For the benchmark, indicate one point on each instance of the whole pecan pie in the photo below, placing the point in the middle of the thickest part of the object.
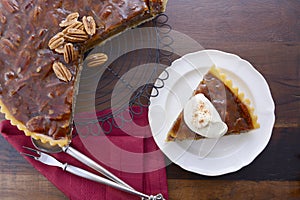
(42, 44)
(233, 108)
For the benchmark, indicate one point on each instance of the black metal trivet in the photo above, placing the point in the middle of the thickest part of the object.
(136, 52)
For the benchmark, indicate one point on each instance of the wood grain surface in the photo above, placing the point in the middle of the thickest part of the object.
(266, 33)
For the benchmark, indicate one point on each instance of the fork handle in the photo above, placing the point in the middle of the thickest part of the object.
(88, 175)
(89, 162)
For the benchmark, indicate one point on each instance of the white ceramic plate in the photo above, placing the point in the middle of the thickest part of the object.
(229, 153)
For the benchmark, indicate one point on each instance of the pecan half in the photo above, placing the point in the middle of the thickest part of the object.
(11, 5)
(56, 41)
(76, 25)
(69, 53)
(61, 71)
(76, 35)
(96, 59)
(7, 46)
(36, 12)
(8, 43)
(37, 124)
(107, 11)
(71, 18)
(89, 25)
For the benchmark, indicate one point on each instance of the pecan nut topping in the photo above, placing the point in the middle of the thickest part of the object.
(69, 53)
(76, 35)
(61, 71)
(89, 25)
(71, 18)
(76, 25)
(56, 41)
(36, 124)
(11, 5)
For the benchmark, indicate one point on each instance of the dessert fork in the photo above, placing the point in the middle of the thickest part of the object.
(51, 161)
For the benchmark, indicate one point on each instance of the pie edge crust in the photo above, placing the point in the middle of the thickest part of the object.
(44, 138)
(241, 96)
(171, 136)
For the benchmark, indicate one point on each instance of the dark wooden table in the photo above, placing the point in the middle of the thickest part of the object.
(267, 33)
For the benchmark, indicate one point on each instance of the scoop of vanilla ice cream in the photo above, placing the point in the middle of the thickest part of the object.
(202, 118)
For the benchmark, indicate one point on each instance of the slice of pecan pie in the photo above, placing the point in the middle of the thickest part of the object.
(231, 105)
(42, 45)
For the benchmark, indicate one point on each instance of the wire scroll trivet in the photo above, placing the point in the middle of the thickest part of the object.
(126, 81)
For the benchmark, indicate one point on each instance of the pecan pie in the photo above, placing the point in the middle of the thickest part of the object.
(42, 44)
(231, 105)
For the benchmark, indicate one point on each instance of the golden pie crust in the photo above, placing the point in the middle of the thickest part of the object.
(44, 138)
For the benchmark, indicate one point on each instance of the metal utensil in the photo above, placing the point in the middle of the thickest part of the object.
(46, 147)
(51, 161)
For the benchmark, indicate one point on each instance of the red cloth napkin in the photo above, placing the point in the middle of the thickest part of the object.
(77, 188)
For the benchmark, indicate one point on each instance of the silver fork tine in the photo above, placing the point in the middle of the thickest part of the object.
(31, 156)
(33, 150)
(43, 157)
